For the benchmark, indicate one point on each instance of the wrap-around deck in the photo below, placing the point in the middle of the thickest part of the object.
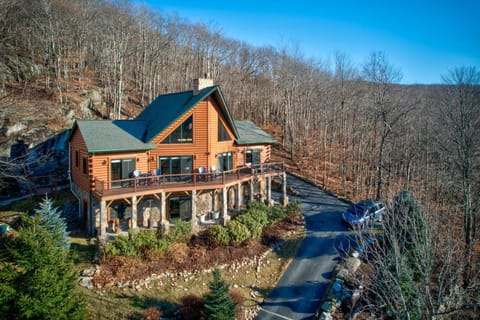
(152, 184)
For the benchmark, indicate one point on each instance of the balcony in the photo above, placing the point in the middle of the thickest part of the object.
(150, 184)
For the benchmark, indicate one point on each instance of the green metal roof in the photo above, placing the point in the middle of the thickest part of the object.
(103, 136)
(167, 108)
(249, 133)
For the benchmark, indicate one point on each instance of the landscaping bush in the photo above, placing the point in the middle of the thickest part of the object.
(152, 313)
(218, 235)
(137, 244)
(238, 232)
(255, 205)
(181, 231)
(293, 206)
(253, 225)
(125, 246)
(277, 213)
(192, 308)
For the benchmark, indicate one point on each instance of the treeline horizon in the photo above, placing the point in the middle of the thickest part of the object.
(365, 131)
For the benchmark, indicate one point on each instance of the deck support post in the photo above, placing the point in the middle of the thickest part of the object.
(284, 190)
(269, 190)
(164, 223)
(238, 197)
(163, 207)
(194, 209)
(134, 214)
(225, 217)
(261, 190)
(103, 219)
(252, 190)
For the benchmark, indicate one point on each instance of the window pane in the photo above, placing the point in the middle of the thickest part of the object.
(128, 166)
(182, 134)
(253, 156)
(222, 132)
(116, 170)
(248, 157)
(186, 164)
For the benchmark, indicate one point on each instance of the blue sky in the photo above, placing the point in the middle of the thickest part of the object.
(424, 39)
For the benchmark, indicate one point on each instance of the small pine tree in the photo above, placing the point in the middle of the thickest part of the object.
(219, 305)
(37, 280)
(52, 221)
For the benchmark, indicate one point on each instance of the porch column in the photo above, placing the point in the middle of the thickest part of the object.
(251, 190)
(262, 190)
(194, 209)
(163, 207)
(103, 219)
(238, 197)
(284, 190)
(164, 223)
(134, 213)
(225, 217)
(269, 190)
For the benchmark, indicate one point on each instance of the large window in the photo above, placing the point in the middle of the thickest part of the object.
(121, 169)
(225, 161)
(176, 165)
(253, 156)
(222, 132)
(182, 134)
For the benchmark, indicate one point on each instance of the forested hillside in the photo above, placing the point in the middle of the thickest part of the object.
(351, 128)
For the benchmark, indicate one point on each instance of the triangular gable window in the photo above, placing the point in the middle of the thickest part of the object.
(222, 132)
(182, 134)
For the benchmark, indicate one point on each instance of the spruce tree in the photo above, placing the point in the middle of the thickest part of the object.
(219, 305)
(51, 219)
(37, 279)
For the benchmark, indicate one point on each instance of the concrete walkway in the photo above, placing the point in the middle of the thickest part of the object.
(298, 292)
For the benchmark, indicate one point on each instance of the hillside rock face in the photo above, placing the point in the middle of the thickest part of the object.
(14, 67)
(35, 119)
(33, 108)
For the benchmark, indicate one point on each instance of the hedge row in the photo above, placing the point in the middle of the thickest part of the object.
(137, 244)
(250, 224)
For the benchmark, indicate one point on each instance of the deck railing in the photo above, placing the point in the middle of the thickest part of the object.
(192, 180)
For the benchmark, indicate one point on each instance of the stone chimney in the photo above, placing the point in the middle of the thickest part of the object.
(201, 83)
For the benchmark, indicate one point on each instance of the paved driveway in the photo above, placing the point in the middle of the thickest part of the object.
(298, 292)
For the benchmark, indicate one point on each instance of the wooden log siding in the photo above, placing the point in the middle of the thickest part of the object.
(205, 146)
(216, 146)
(77, 144)
(101, 164)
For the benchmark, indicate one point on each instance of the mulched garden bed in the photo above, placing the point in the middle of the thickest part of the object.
(193, 256)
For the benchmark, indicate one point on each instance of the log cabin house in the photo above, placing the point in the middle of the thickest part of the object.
(183, 157)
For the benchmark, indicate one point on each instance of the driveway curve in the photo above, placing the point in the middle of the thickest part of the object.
(299, 290)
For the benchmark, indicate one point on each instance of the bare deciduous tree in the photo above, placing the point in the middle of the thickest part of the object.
(460, 119)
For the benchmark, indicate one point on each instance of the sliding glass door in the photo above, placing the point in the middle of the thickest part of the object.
(120, 169)
(176, 165)
(225, 161)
